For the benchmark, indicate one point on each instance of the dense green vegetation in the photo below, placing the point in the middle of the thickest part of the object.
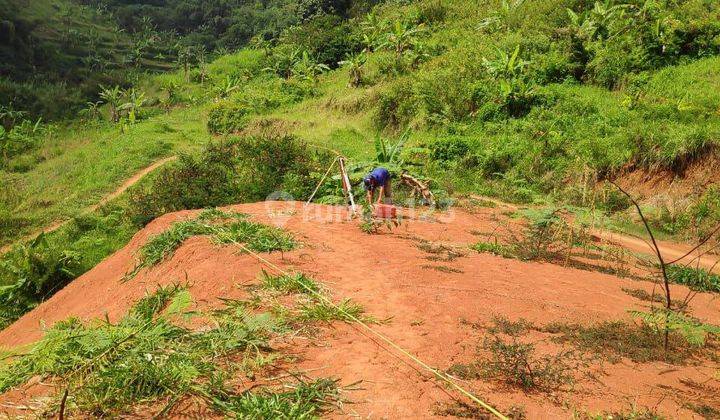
(529, 101)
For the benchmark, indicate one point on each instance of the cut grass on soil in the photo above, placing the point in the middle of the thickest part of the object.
(314, 304)
(346, 310)
(223, 228)
(634, 414)
(464, 410)
(150, 358)
(442, 268)
(291, 283)
(643, 295)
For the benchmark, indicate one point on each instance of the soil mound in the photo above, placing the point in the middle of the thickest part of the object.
(436, 304)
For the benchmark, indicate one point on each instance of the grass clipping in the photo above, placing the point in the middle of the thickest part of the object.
(150, 359)
(222, 228)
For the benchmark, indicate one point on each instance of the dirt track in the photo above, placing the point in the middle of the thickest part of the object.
(669, 251)
(430, 309)
(119, 190)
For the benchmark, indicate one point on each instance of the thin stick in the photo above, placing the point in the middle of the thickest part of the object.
(668, 301)
(61, 415)
(321, 181)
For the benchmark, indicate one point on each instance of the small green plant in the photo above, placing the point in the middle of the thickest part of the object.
(493, 248)
(371, 225)
(516, 364)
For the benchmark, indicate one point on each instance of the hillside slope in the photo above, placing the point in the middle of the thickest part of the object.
(54, 54)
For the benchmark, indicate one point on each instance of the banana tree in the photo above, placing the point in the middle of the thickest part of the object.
(355, 68)
(401, 37)
(112, 97)
(307, 69)
(131, 108)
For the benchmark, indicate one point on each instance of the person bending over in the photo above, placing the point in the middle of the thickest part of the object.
(378, 179)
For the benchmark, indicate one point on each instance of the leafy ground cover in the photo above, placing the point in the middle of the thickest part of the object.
(150, 358)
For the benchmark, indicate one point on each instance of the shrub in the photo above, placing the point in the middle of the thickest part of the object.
(31, 273)
(241, 169)
(227, 116)
(327, 38)
(516, 364)
(695, 278)
(396, 106)
(447, 149)
(430, 12)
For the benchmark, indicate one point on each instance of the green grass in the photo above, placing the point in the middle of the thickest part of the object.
(150, 357)
(82, 165)
(695, 278)
(231, 229)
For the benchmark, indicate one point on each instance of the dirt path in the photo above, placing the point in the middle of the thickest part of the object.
(438, 309)
(670, 251)
(121, 189)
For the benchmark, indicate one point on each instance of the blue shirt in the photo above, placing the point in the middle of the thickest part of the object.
(380, 176)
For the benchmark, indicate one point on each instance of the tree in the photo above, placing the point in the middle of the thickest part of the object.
(355, 68)
(131, 108)
(112, 97)
(401, 37)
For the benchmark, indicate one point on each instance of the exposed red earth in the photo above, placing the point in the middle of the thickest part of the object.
(432, 307)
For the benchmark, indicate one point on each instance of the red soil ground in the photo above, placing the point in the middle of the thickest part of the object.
(431, 310)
